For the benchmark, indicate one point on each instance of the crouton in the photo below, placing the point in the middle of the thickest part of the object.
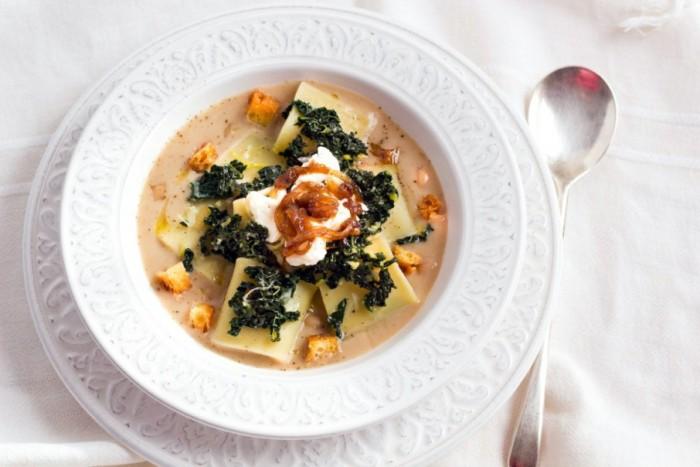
(408, 260)
(203, 158)
(200, 316)
(321, 347)
(387, 155)
(262, 108)
(175, 278)
(429, 205)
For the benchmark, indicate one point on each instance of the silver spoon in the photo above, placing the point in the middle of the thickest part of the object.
(572, 116)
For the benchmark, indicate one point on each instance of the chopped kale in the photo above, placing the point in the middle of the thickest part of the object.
(378, 193)
(265, 178)
(216, 217)
(187, 258)
(420, 237)
(322, 125)
(379, 292)
(335, 319)
(227, 237)
(220, 181)
(184, 224)
(261, 303)
(224, 181)
(301, 106)
(294, 151)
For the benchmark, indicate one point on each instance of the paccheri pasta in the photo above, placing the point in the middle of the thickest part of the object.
(291, 226)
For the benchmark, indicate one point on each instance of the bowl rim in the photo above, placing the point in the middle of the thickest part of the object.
(73, 277)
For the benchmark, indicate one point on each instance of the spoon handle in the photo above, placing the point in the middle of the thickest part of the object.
(524, 451)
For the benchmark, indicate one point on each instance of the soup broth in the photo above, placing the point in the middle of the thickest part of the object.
(165, 199)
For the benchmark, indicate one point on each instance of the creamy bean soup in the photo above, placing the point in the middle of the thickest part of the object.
(292, 226)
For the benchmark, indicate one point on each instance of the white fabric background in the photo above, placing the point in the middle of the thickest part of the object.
(624, 380)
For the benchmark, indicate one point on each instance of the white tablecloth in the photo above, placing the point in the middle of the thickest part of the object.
(624, 379)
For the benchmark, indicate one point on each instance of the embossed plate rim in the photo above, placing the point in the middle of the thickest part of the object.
(382, 405)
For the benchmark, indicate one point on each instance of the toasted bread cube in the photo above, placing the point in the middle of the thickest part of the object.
(321, 347)
(262, 109)
(429, 205)
(175, 278)
(203, 158)
(201, 315)
(408, 260)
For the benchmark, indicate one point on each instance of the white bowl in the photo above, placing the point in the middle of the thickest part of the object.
(198, 66)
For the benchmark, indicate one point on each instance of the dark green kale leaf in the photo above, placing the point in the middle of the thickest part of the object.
(335, 319)
(260, 304)
(227, 237)
(362, 271)
(265, 178)
(294, 151)
(220, 181)
(187, 258)
(301, 106)
(378, 294)
(378, 194)
(322, 125)
(420, 237)
(224, 181)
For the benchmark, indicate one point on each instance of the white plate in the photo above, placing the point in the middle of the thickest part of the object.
(183, 73)
(165, 437)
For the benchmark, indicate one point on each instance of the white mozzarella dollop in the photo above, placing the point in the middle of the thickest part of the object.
(262, 208)
(324, 157)
(312, 256)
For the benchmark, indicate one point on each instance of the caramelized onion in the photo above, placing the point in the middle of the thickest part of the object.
(302, 210)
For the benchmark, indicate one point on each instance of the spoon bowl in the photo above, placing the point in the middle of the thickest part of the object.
(572, 116)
